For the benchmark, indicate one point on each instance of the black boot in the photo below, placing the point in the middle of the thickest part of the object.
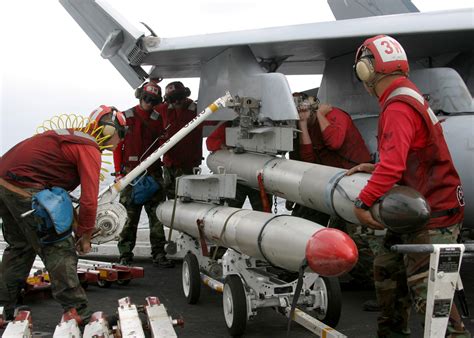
(163, 262)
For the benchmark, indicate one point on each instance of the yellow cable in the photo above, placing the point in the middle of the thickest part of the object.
(82, 124)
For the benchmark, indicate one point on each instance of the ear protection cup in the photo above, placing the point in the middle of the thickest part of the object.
(365, 70)
(108, 130)
(187, 91)
(138, 92)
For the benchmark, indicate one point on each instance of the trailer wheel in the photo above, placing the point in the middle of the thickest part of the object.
(123, 282)
(191, 278)
(104, 283)
(235, 305)
(331, 296)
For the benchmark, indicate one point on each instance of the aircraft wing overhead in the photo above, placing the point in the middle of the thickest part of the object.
(111, 33)
(303, 49)
(298, 49)
(343, 9)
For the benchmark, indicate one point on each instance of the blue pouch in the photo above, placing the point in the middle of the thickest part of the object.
(143, 189)
(55, 208)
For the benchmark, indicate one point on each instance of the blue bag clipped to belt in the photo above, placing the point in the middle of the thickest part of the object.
(144, 188)
(55, 208)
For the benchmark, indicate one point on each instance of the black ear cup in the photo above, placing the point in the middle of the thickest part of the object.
(138, 92)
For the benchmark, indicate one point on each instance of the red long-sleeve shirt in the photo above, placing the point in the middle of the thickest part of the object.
(216, 139)
(88, 161)
(339, 145)
(403, 130)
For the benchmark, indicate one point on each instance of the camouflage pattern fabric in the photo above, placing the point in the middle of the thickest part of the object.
(364, 238)
(169, 175)
(242, 192)
(60, 258)
(402, 280)
(128, 236)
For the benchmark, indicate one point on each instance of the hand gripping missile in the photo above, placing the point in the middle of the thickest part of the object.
(111, 217)
(282, 240)
(322, 188)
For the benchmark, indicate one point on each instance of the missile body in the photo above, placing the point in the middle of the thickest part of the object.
(320, 187)
(283, 240)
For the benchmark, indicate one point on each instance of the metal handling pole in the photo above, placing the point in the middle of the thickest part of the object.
(110, 193)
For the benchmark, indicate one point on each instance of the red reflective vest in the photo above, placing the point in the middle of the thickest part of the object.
(143, 129)
(426, 166)
(340, 145)
(39, 162)
(188, 152)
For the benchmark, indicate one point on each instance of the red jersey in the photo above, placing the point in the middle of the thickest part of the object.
(63, 158)
(216, 139)
(413, 152)
(144, 128)
(187, 153)
(340, 145)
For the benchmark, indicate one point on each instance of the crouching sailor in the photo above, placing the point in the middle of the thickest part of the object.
(38, 173)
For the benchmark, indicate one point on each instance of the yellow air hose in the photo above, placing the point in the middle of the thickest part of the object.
(82, 124)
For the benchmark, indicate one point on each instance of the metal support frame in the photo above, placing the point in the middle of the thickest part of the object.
(445, 263)
(262, 289)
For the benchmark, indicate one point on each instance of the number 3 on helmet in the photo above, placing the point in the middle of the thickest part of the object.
(381, 54)
(116, 123)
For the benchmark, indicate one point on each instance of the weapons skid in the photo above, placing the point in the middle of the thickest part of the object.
(158, 322)
(111, 217)
(261, 248)
(20, 327)
(109, 272)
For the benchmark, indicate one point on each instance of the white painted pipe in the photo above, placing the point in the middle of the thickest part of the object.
(111, 192)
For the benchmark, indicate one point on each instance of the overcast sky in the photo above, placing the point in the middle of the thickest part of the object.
(49, 66)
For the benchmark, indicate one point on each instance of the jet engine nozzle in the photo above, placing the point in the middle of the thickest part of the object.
(331, 252)
(402, 210)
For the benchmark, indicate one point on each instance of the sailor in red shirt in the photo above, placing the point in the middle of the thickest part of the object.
(217, 141)
(412, 152)
(62, 158)
(145, 135)
(177, 111)
(329, 137)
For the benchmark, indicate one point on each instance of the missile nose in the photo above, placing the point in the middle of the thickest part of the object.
(331, 252)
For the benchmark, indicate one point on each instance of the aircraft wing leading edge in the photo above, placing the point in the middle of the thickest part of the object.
(293, 50)
(111, 33)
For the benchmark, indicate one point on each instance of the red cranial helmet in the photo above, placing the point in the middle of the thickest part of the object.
(381, 54)
(116, 123)
(176, 91)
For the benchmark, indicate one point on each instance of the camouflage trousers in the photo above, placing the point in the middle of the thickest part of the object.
(60, 258)
(402, 280)
(241, 194)
(128, 236)
(364, 238)
(169, 176)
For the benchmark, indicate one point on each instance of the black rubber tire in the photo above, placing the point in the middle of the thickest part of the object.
(193, 293)
(123, 281)
(85, 285)
(239, 305)
(334, 300)
(104, 283)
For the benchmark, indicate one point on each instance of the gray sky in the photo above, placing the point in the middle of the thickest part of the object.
(49, 66)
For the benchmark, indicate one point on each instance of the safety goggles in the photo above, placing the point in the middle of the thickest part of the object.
(151, 99)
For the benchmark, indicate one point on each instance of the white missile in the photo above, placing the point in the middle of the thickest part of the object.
(323, 188)
(282, 240)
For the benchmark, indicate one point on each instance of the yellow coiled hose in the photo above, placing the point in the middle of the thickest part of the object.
(82, 124)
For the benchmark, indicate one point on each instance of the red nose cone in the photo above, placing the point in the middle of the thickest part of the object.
(331, 252)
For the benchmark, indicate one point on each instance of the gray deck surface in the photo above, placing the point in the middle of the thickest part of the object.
(206, 318)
